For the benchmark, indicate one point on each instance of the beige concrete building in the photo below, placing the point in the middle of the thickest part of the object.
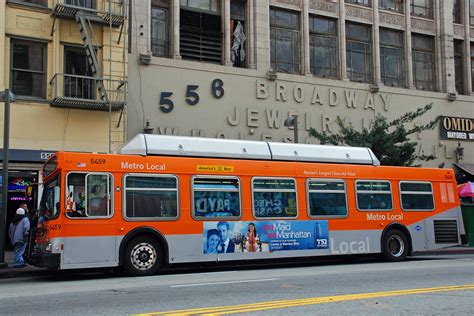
(65, 62)
(240, 68)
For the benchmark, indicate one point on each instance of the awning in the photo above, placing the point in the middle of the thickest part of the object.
(466, 167)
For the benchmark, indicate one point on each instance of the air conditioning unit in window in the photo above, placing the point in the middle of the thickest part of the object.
(144, 59)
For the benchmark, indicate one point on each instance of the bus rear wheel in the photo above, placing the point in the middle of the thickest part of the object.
(143, 256)
(395, 246)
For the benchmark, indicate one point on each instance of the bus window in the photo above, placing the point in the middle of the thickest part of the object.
(416, 196)
(151, 197)
(216, 197)
(374, 195)
(327, 197)
(88, 195)
(274, 198)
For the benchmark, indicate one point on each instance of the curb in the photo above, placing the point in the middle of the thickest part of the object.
(446, 251)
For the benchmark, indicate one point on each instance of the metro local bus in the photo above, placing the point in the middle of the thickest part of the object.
(168, 199)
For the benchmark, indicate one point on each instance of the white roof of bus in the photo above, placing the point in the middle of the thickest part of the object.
(151, 144)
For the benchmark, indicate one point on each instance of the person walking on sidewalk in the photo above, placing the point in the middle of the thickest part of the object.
(18, 232)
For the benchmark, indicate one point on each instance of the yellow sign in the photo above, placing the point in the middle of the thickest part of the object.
(215, 168)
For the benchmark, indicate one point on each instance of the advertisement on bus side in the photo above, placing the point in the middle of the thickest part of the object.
(265, 236)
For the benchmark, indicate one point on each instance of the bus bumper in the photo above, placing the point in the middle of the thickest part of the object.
(45, 260)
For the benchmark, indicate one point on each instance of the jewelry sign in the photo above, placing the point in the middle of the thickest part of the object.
(456, 128)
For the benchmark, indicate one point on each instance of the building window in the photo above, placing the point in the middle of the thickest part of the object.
(471, 12)
(374, 195)
(159, 32)
(359, 2)
(323, 47)
(274, 198)
(205, 5)
(391, 5)
(459, 66)
(327, 197)
(359, 52)
(238, 26)
(151, 196)
(391, 58)
(89, 4)
(285, 41)
(216, 197)
(200, 31)
(457, 11)
(472, 66)
(423, 62)
(28, 71)
(43, 3)
(423, 8)
(78, 78)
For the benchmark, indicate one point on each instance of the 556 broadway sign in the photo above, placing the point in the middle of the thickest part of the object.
(456, 128)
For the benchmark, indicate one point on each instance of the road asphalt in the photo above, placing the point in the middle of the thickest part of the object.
(11, 272)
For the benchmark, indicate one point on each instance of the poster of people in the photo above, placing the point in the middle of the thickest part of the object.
(264, 236)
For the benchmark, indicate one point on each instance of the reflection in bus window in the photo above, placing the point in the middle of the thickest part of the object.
(151, 197)
(327, 198)
(416, 196)
(274, 197)
(374, 195)
(216, 197)
(88, 195)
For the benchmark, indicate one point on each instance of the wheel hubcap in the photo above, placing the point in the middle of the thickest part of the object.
(396, 246)
(143, 256)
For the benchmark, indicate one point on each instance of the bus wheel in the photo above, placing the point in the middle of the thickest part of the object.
(143, 256)
(395, 246)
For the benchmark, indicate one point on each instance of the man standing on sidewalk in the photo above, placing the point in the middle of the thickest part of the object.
(18, 232)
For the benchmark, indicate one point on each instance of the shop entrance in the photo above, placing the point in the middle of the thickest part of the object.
(21, 189)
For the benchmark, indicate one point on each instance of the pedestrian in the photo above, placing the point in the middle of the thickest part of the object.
(34, 219)
(18, 233)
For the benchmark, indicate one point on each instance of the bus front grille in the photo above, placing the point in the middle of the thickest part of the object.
(446, 231)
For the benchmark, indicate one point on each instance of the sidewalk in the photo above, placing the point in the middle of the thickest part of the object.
(12, 272)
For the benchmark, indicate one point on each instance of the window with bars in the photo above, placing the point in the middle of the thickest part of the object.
(285, 41)
(391, 5)
(423, 62)
(459, 66)
(28, 68)
(200, 33)
(323, 47)
(423, 8)
(392, 58)
(359, 52)
(159, 32)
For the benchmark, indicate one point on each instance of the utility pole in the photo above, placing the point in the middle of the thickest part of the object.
(6, 149)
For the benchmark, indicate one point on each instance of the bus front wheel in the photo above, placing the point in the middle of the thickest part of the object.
(395, 246)
(143, 256)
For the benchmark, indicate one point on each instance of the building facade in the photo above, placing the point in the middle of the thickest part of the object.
(65, 63)
(239, 68)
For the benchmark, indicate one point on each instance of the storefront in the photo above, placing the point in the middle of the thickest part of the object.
(23, 177)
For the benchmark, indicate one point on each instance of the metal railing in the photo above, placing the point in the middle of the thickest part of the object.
(86, 88)
(116, 7)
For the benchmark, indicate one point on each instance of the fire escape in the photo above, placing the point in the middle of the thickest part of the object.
(91, 90)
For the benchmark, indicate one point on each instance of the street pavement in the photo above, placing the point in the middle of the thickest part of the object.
(29, 270)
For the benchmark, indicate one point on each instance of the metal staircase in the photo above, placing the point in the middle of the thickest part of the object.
(87, 35)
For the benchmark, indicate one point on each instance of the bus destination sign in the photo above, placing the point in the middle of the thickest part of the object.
(456, 128)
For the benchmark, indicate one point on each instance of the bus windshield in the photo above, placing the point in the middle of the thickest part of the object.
(50, 200)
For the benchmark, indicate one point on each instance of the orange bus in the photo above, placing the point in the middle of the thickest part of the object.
(170, 199)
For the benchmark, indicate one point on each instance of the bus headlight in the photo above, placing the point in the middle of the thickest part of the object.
(49, 247)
